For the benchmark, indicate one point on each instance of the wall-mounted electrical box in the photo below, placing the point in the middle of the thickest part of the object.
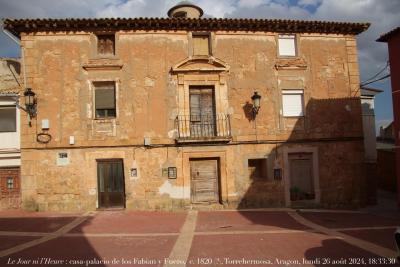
(45, 124)
(147, 141)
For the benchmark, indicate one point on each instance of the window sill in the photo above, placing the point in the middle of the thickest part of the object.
(99, 120)
(105, 56)
(268, 181)
(111, 63)
(297, 63)
(293, 117)
(201, 56)
(288, 57)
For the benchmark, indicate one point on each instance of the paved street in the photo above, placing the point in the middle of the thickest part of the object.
(197, 238)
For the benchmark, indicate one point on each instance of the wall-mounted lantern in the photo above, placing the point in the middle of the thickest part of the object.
(256, 98)
(30, 102)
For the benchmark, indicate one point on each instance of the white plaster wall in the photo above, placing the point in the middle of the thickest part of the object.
(10, 141)
(368, 118)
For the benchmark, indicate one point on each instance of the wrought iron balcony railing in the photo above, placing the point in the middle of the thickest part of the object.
(203, 127)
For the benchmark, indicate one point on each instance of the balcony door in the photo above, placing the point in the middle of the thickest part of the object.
(202, 112)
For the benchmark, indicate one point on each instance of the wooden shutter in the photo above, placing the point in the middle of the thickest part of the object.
(201, 102)
(105, 44)
(201, 45)
(292, 102)
(195, 110)
(206, 102)
(202, 116)
(105, 95)
(287, 45)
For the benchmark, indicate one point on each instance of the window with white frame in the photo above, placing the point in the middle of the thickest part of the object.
(287, 45)
(292, 103)
(8, 118)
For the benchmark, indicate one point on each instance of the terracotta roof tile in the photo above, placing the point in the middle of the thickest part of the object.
(386, 36)
(17, 26)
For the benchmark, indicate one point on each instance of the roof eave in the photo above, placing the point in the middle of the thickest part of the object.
(384, 38)
(17, 26)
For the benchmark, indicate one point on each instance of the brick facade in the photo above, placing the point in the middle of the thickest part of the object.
(10, 198)
(393, 40)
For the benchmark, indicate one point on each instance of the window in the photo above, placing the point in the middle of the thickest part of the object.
(287, 45)
(105, 99)
(201, 44)
(180, 14)
(172, 172)
(106, 44)
(258, 169)
(8, 119)
(10, 183)
(292, 102)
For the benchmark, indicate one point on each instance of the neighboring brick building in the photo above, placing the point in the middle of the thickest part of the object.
(387, 133)
(10, 158)
(392, 38)
(157, 113)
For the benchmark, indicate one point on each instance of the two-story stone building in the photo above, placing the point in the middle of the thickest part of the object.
(161, 113)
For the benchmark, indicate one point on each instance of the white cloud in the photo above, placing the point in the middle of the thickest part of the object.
(218, 9)
(271, 10)
(309, 2)
(250, 3)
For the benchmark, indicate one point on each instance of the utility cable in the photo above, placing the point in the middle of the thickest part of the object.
(377, 74)
(376, 80)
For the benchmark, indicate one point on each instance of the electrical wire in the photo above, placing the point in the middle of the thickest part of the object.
(376, 80)
(377, 74)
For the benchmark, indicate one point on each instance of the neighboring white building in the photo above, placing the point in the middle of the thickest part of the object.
(368, 113)
(10, 156)
(370, 155)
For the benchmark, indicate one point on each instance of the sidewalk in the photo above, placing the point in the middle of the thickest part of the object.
(386, 206)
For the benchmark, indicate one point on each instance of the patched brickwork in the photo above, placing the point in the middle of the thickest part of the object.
(10, 188)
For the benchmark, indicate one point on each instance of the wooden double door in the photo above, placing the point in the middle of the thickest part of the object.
(204, 180)
(111, 184)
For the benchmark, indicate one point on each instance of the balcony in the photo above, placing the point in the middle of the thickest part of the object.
(203, 128)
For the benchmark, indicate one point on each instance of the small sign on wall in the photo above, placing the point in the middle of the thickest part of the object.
(62, 158)
(133, 172)
(278, 174)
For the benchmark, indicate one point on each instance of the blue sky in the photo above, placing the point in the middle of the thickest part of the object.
(382, 14)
